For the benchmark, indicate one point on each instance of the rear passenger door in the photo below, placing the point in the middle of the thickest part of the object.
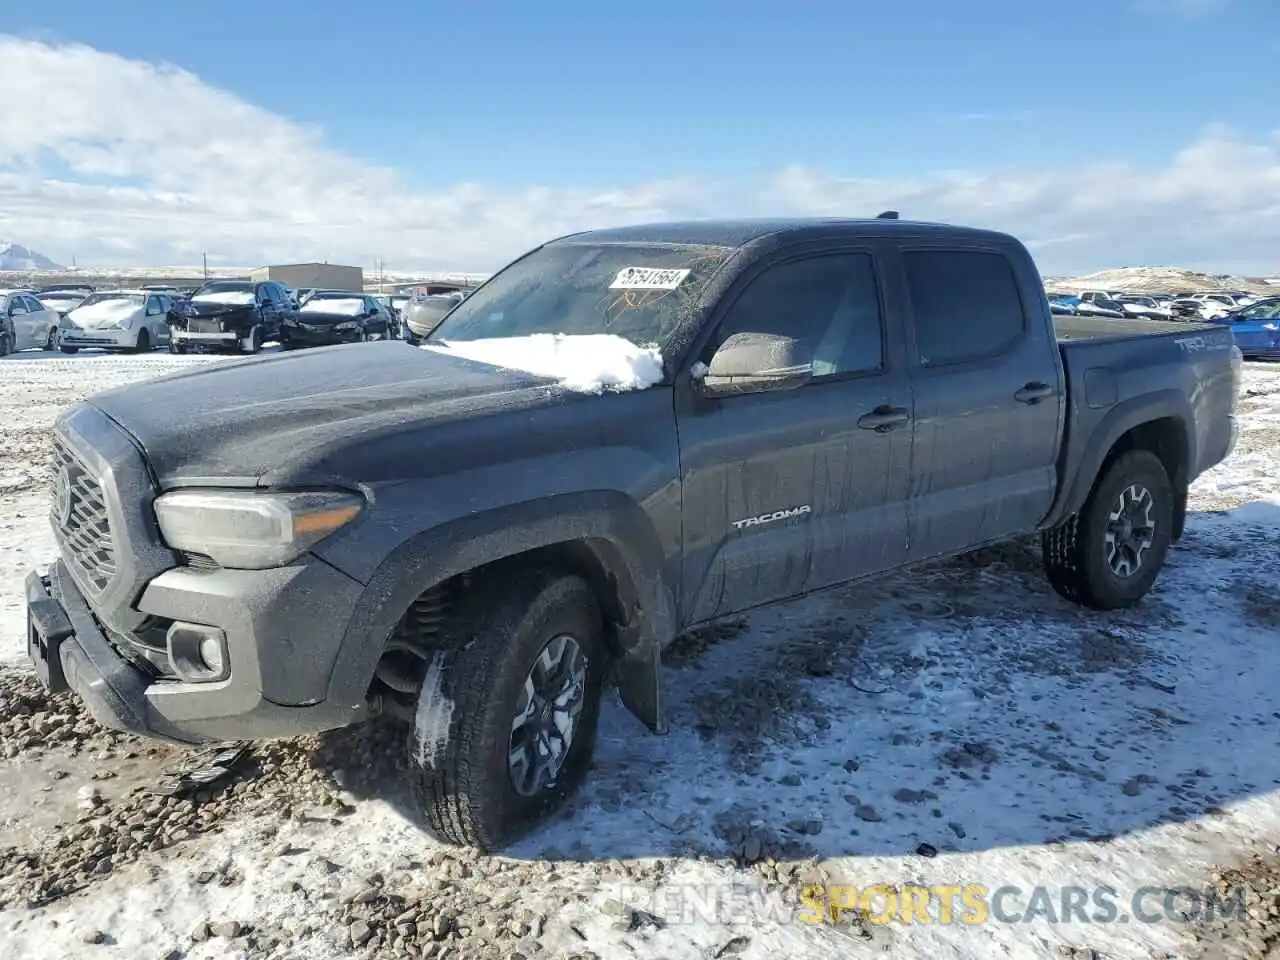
(790, 491)
(989, 399)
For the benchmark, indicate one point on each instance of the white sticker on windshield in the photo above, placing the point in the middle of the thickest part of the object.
(648, 278)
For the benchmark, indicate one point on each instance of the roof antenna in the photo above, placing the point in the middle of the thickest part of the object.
(888, 215)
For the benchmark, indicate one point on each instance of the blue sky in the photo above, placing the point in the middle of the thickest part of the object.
(576, 95)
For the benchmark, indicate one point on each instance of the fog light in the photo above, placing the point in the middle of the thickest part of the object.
(197, 652)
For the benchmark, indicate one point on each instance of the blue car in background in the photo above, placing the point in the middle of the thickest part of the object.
(1064, 303)
(1256, 328)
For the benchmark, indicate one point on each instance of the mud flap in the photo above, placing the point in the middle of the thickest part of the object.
(640, 685)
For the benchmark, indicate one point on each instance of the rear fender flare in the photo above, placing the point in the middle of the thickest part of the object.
(1164, 404)
(616, 530)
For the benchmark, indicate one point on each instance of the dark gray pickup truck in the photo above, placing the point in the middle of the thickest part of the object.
(281, 545)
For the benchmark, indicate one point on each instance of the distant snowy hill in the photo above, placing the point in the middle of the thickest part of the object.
(13, 256)
(1156, 280)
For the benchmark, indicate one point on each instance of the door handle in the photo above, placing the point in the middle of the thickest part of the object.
(1033, 393)
(884, 418)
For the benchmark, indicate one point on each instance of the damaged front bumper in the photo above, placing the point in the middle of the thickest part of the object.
(71, 650)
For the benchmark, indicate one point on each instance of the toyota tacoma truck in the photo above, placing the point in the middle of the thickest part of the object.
(478, 547)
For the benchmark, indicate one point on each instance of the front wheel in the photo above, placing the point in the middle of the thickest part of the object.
(253, 342)
(175, 347)
(506, 716)
(6, 343)
(143, 344)
(51, 342)
(1109, 554)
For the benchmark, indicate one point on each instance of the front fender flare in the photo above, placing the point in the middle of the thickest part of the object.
(615, 528)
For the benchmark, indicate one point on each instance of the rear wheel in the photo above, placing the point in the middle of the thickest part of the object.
(66, 349)
(506, 716)
(1109, 554)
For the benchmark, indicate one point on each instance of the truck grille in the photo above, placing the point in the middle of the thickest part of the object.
(79, 514)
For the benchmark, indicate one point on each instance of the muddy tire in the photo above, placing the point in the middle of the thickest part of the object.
(1109, 554)
(518, 686)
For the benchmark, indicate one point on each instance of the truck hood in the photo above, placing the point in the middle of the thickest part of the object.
(305, 417)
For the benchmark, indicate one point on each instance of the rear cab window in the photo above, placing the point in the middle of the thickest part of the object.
(965, 304)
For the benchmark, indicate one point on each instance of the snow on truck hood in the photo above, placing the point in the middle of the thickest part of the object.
(585, 363)
(104, 315)
(226, 298)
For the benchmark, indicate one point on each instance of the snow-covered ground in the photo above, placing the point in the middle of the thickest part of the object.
(959, 726)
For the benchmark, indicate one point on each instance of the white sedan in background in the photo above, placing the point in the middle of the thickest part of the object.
(134, 320)
(25, 322)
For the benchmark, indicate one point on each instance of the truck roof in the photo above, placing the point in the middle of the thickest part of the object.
(738, 233)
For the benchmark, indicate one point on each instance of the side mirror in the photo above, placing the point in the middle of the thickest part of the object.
(758, 363)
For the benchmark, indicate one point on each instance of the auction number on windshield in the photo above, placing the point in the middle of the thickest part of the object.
(648, 278)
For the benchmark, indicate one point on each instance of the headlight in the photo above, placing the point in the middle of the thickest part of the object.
(248, 530)
(127, 322)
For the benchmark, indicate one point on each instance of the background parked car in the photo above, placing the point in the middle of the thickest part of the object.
(337, 316)
(1101, 307)
(425, 311)
(1064, 303)
(231, 315)
(116, 320)
(25, 322)
(1256, 328)
(1185, 308)
(1145, 307)
(63, 301)
(395, 303)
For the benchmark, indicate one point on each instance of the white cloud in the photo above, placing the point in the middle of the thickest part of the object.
(126, 162)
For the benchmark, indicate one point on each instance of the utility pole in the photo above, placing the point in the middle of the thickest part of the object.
(380, 275)
(204, 259)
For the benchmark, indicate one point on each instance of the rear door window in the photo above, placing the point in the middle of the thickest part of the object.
(965, 305)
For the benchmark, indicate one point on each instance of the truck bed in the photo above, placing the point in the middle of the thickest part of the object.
(1103, 328)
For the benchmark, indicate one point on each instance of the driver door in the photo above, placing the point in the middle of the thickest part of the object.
(794, 490)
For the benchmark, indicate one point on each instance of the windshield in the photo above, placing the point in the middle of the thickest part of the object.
(1267, 310)
(637, 291)
(107, 297)
(350, 306)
